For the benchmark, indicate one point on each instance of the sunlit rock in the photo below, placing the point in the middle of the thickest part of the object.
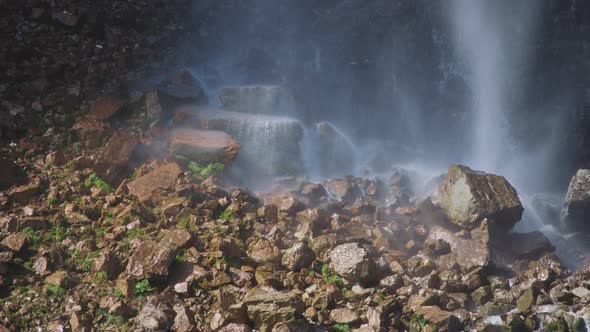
(577, 202)
(467, 197)
(204, 146)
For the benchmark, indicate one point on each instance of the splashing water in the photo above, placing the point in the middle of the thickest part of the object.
(269, 144)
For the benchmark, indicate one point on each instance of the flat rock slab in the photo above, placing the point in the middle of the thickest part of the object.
(467, 197)
(577, 202)
(162, 177)
(205, 146)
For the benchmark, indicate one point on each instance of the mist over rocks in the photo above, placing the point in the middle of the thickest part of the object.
(121, 221)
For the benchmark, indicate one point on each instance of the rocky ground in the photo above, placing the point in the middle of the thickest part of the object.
(115, 218)
(124, 221)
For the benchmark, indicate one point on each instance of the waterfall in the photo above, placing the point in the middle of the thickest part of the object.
(493, 39)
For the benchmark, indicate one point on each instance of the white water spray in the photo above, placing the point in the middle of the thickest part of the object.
(492, 38)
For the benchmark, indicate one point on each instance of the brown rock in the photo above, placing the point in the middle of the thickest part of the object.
(90, 131)
(204, 146)
(267, 307)
(15, 242)
(353, 262)
(105, 108)
(343, 316)
(150, 259)
(469, 253)
(24, 194)
(468, 197)
(113, 163)
(162, 177)
(298, 257)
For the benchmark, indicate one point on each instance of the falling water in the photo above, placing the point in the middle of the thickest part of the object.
(269, 144)
(492, 38)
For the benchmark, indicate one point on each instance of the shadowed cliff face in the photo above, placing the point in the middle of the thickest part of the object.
(401, 71)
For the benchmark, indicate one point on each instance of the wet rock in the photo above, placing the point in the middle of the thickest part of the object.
(163, 176)
(150, 259)
(204, 146)
(468, 197)
(469, 253)
(105, 108)
(298, 257)
(353, 262)
(526, 245)
(344, 189)
(267, 307)
(290, 205)
(317, 219)
(252, 99)
(335, 152)
(15, 242)
(151, 318)
(577, 202)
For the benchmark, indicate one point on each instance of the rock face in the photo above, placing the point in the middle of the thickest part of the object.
(105, 108)
(353, 262)
(577, 202)
(467, 197)
(206, 146)
(252, 99)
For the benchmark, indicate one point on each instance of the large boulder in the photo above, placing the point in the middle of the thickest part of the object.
(269, 145)
(577, 202)
(468, 197)
(206, 146)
